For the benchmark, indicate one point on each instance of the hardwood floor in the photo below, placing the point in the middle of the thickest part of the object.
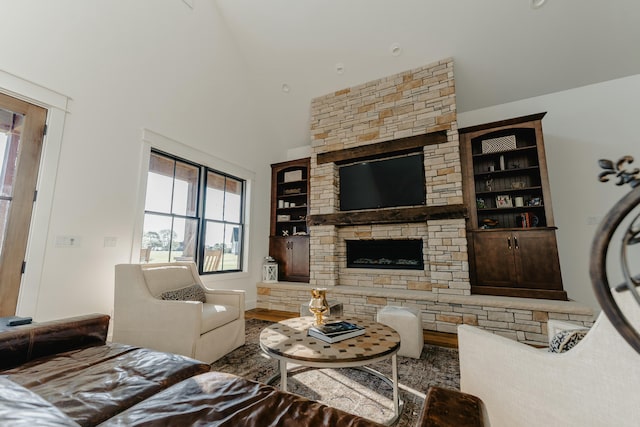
(430, 337)
(269, 315)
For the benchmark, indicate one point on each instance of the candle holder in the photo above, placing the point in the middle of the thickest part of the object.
(318, 304)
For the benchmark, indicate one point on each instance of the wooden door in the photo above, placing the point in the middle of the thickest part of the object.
(494, 258)
(21, 133)
(536, 261)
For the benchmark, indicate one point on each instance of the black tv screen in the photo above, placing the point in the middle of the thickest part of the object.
(383, 183)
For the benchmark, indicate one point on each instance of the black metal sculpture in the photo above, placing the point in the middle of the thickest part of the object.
(631, 236)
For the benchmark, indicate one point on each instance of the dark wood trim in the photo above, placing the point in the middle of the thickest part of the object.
(443, 339)
(518, 292)
(397, 146)
(391, 216)
(501, 123)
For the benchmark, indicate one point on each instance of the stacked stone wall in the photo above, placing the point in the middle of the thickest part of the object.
(410, 103)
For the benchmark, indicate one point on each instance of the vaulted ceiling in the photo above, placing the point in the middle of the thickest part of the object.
(503, 50)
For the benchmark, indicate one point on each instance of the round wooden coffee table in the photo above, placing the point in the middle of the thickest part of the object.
(288, 342)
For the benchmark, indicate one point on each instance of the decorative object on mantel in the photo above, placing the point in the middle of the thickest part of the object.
(608, 227)
(269, 270)
(318, 304)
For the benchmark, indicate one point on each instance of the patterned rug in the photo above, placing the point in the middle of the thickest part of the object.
(352, 390)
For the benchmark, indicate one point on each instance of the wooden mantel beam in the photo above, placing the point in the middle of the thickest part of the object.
(390, 216)
(386, 148)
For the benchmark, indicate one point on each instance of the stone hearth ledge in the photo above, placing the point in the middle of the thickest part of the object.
(521, 319)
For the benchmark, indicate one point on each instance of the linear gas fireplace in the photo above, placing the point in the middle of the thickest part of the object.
(395, 254)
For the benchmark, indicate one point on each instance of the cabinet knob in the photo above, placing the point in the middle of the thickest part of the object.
(515, 242)
(509, 242)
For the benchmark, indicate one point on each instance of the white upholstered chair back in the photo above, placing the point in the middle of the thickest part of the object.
(160, 278)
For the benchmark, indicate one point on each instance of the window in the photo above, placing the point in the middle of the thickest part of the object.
(192, 213)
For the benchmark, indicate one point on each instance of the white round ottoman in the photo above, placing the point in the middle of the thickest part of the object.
(408, 323)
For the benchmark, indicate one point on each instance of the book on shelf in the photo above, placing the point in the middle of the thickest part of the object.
(336, 331)
(528, 220)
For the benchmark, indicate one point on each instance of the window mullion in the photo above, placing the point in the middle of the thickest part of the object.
(202, 194)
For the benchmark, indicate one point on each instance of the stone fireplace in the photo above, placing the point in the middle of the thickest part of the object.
(407, 113)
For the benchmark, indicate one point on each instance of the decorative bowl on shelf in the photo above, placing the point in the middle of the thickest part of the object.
(489, 223)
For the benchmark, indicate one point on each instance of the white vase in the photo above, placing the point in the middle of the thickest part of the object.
(501, 162)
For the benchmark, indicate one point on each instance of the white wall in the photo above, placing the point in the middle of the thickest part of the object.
(129, 65)
(581, 126)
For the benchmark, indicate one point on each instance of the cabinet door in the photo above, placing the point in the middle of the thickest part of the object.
(278, 250)
(494, 258)
(298, 250)
(537, 263)
(292, 254)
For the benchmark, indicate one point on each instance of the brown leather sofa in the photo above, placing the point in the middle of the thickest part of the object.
(64, 373)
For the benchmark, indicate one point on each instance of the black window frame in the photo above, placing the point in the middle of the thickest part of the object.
(204, 221)
(200, 217)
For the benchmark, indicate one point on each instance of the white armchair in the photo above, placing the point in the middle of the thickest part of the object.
(596, 383)
(204, 331)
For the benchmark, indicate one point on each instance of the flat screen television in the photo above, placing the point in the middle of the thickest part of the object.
(383, 183)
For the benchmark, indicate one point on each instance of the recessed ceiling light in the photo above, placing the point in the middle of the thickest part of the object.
(535, 4)
(285, 88)
(340, 68)
(395, 49)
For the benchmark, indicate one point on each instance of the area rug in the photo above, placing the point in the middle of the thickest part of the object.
(352, 390)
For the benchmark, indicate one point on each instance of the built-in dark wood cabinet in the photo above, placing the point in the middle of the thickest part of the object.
(289, 231)
(292, 254)
(510, 230)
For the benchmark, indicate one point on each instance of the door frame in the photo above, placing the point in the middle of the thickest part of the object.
(57, 105)
(28, 152)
